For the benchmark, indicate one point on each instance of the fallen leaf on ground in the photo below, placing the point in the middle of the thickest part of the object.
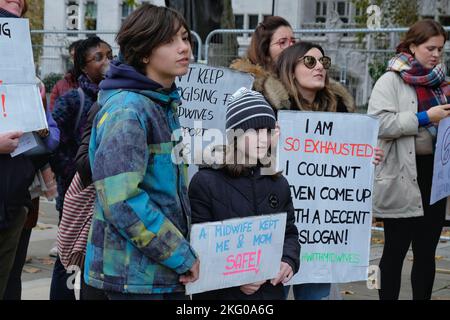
(377, 241)
(41, 226)
(47, 261)
(410, 258)
(348, 292)
(445, 271)
(440, 298)
(378, 224)
(438, 258)
(31, 270)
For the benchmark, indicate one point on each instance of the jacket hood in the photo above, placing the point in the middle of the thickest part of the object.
(124, 76)
(265, 82)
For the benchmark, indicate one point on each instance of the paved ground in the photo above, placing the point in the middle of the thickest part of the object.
(37, 272)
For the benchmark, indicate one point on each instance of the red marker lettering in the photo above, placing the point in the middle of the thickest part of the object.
(3, 103)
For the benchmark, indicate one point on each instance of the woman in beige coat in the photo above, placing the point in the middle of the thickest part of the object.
(410, 99)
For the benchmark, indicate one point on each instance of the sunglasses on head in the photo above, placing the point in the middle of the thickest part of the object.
(310, 61)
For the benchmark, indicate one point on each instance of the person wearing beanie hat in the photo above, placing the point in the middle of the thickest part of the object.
(239, 189)
(250, 122)
(248, 109)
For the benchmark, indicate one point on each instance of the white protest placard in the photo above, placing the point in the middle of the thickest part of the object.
(327, 160)
(204, 92)
(441, 174)
(20, 100)
(237, 251)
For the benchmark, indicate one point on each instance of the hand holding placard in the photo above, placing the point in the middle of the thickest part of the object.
(9, 141)
(192, 274)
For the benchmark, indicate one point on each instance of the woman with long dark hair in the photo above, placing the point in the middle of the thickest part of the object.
(303, 70)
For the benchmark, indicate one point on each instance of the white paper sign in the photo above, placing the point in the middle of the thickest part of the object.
(327, 159)
(26, 142)
(237, 251)
(441, 175)
(21, 105)
(205, 91)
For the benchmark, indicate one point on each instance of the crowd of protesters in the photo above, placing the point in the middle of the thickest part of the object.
(110, 139)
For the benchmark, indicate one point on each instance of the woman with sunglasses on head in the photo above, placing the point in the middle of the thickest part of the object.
(410, 99)
(303, 70)
(92, 57)
(270, 38)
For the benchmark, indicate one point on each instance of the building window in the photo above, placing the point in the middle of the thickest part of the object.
(265, 16)
(343, 10)
(127, 9)
(90, 16)
(321, 11)
(444, 20)
(239, 21)
(253, 21)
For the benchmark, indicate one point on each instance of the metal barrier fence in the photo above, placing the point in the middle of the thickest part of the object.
(51, 46)
(359, 55)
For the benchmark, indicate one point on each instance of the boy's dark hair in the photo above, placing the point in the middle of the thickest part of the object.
(81, 51)
(145, 30)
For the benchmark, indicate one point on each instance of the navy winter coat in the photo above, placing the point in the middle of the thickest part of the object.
(216, 196)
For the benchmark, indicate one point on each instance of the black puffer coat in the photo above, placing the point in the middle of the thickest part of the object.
(216, 196)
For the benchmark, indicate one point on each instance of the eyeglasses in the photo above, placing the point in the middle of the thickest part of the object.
(310, 61)
(284, 42)
(99, 57)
